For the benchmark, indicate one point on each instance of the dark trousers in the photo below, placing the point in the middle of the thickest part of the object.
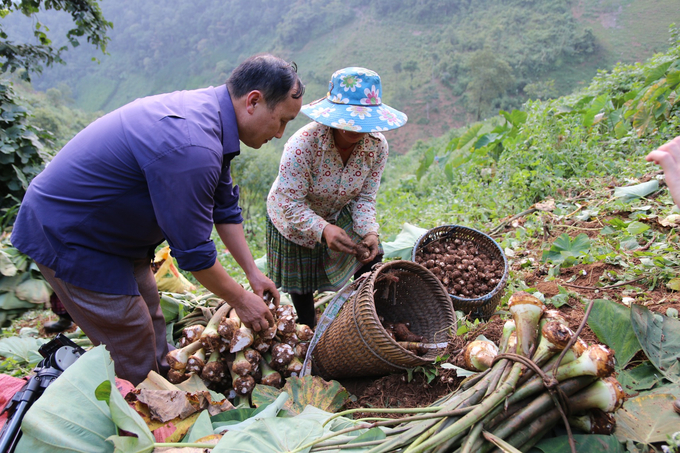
(131, 327)
(304, 303)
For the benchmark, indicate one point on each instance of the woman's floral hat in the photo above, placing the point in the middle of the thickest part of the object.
(353, 103)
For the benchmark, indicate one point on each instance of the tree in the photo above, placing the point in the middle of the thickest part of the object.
(490, 78)
(22, 144)
(88, 22)
(411, 66)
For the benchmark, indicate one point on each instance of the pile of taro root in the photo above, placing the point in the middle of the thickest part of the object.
(465, 269)
(232, 358)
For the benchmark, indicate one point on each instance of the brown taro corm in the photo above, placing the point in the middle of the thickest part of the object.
(464, 269)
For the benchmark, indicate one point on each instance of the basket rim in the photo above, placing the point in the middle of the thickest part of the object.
(370, 281)
(501, 284)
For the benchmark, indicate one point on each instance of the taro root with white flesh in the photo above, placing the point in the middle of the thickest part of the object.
(597, 360)
(193, 333)
(526, 310)
(289, 338)
(282, 354)
(243, 338)
(177, 358)
(241, 366)
(285, 325)
(555, 336)
(479, 355)
(285, 310)
(270, 376)
(227, 327)
(177, 376)
(604, 394)
(293, 368)
(242, 385)
(261, 345)
(268, 334)
(301, 349)
(555, 315)
(210, 338)
(303, 332)
(214, 370)
(253, 357)
(196, 362)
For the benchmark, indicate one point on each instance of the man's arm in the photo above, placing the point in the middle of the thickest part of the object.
(234, 239)
(250, 307)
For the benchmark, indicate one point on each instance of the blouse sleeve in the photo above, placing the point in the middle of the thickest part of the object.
(287, 204)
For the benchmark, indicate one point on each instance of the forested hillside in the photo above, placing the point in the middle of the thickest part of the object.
(445, 63)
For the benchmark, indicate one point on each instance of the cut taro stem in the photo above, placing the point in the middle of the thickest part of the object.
(177, 358)
(210, 338)
(526, 310)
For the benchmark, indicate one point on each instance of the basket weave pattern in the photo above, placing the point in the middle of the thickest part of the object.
(481, 307)
(356, 343)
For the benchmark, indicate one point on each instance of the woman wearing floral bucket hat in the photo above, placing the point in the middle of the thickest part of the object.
(322, 226)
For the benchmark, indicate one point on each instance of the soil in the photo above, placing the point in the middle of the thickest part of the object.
(398, 391)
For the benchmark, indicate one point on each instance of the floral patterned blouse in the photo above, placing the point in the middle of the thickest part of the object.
(314, 185)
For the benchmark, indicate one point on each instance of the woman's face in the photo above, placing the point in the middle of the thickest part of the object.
(352, 137)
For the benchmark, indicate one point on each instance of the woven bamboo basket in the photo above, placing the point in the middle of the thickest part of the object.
(482, 307)
(356, 343)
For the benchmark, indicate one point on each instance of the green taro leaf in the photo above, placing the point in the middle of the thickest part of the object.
(22, 349)
(271, 435)
(68, 417)
(202, 427)
(637, 228)
(402, 246)
(631, 193)
(308, 390)
(642, 377)
(659, 337)
(648, 418)
(611, 323)
(126, 419)
(564, 247)
(590, 443)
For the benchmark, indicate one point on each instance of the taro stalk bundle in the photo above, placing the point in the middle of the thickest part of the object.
(232, 359)
(508, 400)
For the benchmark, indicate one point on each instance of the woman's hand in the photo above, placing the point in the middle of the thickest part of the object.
(369, 246)
(261, 285)
(338, 240)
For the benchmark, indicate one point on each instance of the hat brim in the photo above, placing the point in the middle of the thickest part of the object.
(357, 118)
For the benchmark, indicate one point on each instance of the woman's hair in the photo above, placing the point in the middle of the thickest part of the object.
(271, 75)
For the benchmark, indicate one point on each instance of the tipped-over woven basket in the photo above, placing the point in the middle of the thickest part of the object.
(481, 307)
(356, 343)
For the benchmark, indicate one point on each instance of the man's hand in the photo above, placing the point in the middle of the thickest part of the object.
(369, 248)
(254, 313)
(261, 285)
(338, 240)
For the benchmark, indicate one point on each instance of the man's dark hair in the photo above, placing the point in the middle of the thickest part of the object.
(271, 75)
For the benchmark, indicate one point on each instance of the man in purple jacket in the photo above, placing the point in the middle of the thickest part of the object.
(153, 170)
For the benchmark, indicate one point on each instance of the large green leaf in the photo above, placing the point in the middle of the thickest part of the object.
(564, 247)
(308, 390)
(34, 290)
(590, 443)
(126, 419)
(659, 337)
(22, 349)
(642, 377)
(271, 435)
(7, 267)
(611, 323)
(68, 417)
(402, 246)
(648, 418)
(631, 193)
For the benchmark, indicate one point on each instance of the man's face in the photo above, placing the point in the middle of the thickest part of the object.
(266, 123)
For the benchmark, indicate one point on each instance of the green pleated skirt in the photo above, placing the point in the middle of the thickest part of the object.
(301, 270)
